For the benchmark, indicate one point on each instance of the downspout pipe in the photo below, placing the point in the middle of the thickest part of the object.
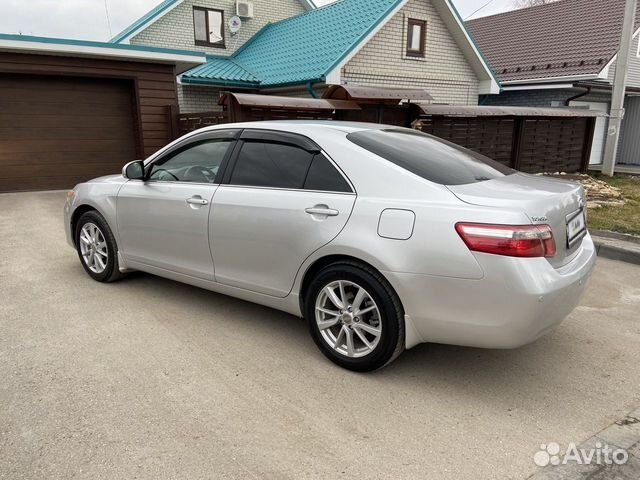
(311, 91)
(575, 97)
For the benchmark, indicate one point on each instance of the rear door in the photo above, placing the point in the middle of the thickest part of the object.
(281, 200)
(164, 221)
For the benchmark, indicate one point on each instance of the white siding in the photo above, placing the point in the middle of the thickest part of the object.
(629, 150)
(633, 79)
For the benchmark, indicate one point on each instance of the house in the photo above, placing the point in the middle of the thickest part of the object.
(289, 47)
(564, 54)
(72, 110)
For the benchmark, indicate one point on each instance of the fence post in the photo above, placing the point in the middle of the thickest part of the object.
(516, 146)
(173, 113)
(588, 143)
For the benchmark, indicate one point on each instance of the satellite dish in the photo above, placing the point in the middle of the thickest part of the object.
(234, 24)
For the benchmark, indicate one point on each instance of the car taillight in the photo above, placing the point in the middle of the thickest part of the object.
(510, 240)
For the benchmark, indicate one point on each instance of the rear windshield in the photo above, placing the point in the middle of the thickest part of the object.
(432, 158)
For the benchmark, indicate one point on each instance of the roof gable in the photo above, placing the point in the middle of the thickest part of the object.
(158, 12)
(561, 39)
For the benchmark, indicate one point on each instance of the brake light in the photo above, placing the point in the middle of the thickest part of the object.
(509, 240)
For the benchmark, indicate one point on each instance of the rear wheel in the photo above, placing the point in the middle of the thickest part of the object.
(97, 248)
(354, 316)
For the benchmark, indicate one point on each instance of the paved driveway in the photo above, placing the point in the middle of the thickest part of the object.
(148, 378)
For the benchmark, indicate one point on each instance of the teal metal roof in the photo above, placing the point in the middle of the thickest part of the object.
(300, 49)
(225, 70)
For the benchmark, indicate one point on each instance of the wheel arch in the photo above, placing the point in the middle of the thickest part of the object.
(75, 216)
(327, 260)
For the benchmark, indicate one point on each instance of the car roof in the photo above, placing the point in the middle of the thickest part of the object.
(304, 126)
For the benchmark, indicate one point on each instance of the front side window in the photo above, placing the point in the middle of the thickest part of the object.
(416, 37)
(208, 27)
(266, 164)
(197, 163)
(429, 157)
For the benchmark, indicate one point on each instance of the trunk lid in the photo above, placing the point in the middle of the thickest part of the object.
(544, 200)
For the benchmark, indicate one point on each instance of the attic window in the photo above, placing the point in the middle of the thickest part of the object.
(416, 37)
(208, 27)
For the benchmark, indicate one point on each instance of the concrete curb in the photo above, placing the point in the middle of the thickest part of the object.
(617, 246)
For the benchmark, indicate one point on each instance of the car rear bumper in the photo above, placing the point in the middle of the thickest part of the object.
(517, 301)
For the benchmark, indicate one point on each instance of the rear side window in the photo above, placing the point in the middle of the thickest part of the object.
(323, 176)
(431, 158)
(263, 164)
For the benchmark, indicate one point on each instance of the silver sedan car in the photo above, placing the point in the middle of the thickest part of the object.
(381, 237)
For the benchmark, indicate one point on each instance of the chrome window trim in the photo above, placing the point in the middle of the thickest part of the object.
(282, 189)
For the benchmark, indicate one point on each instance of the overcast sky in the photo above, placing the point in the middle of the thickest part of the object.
(87, 19)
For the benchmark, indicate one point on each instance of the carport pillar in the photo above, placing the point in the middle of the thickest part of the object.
(619, 87)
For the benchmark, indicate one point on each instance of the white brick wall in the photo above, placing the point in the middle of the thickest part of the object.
(175, 29)
(444, 72)
(194, 99)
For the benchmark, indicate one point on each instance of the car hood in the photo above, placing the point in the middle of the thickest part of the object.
(115, 179)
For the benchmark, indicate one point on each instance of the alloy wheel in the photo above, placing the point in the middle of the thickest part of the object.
(348, 319)
(93, 248)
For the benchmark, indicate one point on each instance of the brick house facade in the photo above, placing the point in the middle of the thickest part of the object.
(444, 71)
(450, 68)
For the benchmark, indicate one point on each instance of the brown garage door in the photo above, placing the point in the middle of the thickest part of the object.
(58, 131)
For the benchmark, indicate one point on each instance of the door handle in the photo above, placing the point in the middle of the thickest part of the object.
(197, 200)
(322, 210)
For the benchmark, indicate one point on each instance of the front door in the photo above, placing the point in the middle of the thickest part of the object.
(283, 201)
(163, 221)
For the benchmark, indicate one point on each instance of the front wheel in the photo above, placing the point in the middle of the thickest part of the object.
(355, 317)
(97, 247)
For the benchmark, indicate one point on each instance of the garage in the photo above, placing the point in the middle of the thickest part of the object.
(74, 110)
(58, 131)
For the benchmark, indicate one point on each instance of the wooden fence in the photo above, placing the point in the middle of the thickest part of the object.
(529, 144)
(546, 141)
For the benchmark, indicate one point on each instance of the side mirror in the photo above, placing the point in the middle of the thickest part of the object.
(134, 170)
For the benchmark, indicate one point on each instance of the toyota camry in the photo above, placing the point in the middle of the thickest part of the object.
(380, 237)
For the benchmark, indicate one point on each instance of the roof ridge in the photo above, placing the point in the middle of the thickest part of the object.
(364, 35)
(241, 65)
(308, 12)
(516, 10)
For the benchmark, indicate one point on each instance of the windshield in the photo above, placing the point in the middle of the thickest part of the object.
(430, 157)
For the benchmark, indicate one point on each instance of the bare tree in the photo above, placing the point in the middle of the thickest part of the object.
(531, 3)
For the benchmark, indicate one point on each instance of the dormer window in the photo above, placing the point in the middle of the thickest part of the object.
(416, 37)
(208, 27)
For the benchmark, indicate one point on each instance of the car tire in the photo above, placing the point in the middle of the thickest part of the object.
(97, 247)
(376, 336)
